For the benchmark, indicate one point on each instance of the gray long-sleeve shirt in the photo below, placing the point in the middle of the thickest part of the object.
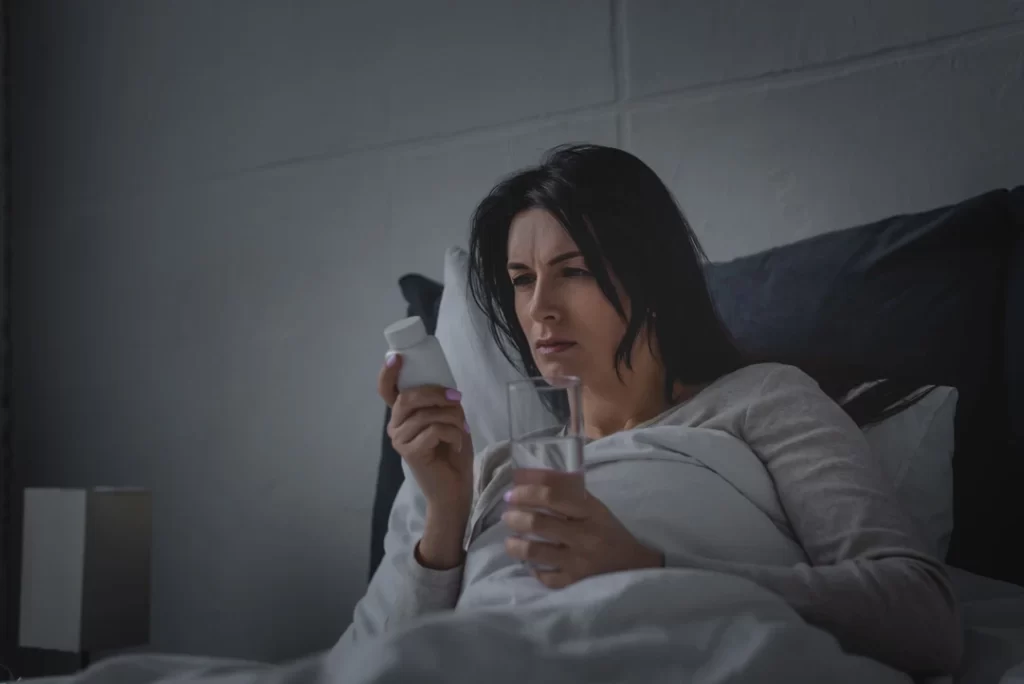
(858, 568)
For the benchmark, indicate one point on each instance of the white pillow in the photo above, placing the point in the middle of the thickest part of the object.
(915, 445)
(481, 371)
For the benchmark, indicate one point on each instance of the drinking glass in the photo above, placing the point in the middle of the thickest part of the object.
(546, 429)
(546, 424)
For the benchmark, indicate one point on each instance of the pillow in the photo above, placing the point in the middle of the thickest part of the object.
(922, 297)
(422, 296)
(878, 296)
(915, 445)
(481, 371)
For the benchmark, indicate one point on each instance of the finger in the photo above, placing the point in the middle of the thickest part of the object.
(417, 398)
(567, 504)
(422, 419)
(387, 380)
(546, 476)
(555, 530)
(433, 436)
(566, 485)
(539, 552)
(552, 579)
(539, 476)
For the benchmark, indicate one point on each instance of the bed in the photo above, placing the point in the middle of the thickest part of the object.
(992, 616)
(934, 298)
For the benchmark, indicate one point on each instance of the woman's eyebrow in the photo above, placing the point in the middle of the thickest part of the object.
(516, 266)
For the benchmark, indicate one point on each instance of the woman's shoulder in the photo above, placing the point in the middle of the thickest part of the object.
(764, 391)
(727, 402)
(757, 377)
(780, 396)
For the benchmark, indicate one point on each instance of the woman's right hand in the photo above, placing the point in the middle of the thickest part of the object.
(428, 430)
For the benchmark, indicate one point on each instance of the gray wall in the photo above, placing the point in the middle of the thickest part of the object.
(214, 200)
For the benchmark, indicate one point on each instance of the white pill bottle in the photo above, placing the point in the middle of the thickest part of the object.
(423, 361)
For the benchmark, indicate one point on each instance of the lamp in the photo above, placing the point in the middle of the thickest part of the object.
(85, 576)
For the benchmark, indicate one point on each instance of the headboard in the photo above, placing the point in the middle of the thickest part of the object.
(935, 297)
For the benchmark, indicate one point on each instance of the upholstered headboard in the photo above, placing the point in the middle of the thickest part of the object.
(935, 297)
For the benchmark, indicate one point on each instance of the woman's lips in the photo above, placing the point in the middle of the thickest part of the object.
(551, 348)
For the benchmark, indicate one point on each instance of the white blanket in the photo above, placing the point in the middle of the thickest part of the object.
(664, 625)
(660, 482)
(614, 628)
(716, 647)
(618, 628)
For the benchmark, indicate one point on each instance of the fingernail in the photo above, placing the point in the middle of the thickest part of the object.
(507, 496)
(390, 358)
(453, 395)
(465, 426)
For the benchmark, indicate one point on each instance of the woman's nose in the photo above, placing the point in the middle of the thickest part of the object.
(544, 305)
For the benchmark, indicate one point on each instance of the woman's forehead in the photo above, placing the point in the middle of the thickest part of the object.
(536, 233)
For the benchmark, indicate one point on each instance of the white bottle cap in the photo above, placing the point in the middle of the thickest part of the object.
(405, 333)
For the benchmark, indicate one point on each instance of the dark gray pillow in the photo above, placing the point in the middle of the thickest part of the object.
(920, 298)
(423, 296)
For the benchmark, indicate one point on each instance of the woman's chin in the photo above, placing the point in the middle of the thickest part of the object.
(555, 369)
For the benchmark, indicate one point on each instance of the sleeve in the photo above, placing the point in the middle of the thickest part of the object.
(869, 581)
(401, 588)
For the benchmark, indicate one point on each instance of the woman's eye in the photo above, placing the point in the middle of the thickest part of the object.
(527, 279)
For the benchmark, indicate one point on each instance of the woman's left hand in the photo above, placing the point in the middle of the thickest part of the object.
(583, 538)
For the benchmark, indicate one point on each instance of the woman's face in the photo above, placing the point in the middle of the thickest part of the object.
(571, 327)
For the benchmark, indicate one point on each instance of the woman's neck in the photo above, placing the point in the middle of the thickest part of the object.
(629, 404)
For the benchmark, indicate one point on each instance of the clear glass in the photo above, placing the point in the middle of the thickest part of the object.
(547, 433)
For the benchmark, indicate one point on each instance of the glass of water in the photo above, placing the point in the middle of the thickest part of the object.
(546, 429)
(546, 423)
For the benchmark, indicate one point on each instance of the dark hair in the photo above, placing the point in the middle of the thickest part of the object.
(624, 221)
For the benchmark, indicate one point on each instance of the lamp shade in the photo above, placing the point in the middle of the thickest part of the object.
(85, 574)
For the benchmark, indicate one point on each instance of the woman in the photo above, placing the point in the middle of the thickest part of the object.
(585, 266)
